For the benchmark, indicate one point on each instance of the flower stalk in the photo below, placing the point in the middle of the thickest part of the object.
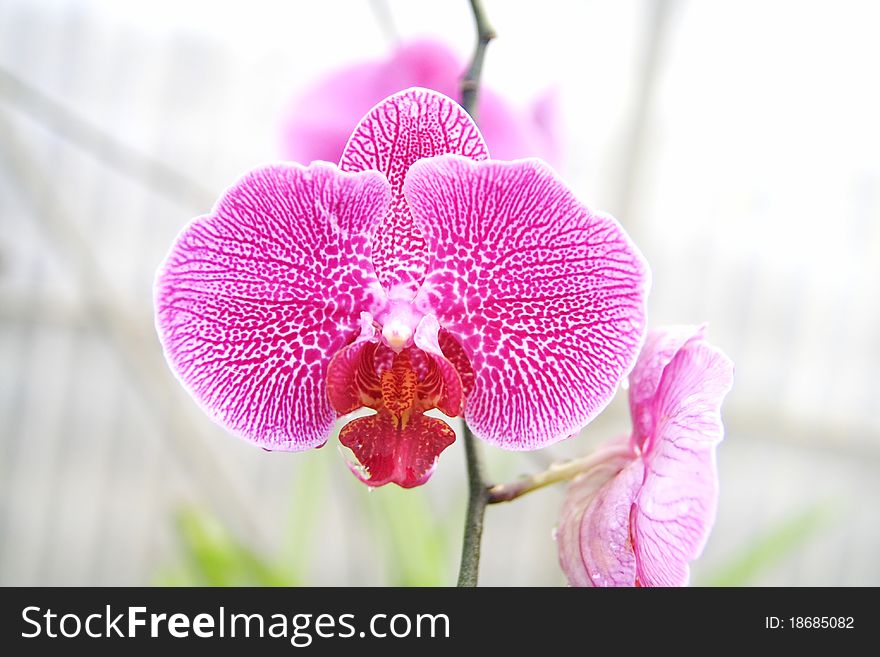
(556, 473)
(478, 491)
(478, 498)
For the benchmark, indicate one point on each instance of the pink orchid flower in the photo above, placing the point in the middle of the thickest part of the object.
(317, 125)
(417, 275)
(645, 511)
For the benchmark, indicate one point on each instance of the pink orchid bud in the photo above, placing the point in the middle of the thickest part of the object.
(638, 519)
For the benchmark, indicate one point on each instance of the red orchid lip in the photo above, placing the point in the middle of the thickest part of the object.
(399, 443)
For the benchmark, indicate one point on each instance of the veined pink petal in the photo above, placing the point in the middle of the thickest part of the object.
(676, 506)
(352, 381)
(605, 540)
(546, 297)
(410, 125)
(578, 498)
(253, 300)
(660, 348)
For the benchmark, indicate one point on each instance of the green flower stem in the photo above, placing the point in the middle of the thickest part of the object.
(478, 491)
(555, 473)
(478, 497)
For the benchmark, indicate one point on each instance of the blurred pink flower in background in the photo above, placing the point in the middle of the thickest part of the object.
(318, 123)
(645, 511)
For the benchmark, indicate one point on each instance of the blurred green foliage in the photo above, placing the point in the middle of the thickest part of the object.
(414, 537)
(783, 540)
(414, 540)
(211, 555)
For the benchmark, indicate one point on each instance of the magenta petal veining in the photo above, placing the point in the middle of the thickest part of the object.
(546, 297)
(399, 131)
(254, 298)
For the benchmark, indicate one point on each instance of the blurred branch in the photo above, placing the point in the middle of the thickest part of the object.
(470, 84)
(633, 152)
(133, 341)
(145, 169)
(382, 12)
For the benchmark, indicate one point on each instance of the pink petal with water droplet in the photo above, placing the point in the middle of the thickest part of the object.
(660, 348)
(578, 498)
(253, 299)
(546, 297)
(606, 544)
(676, 506)
(403, 128)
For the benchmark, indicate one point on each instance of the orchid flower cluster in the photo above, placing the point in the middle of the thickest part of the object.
(419, 274)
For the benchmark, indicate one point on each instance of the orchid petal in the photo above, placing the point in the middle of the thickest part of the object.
(660, 348)
(319, 123)
(398, 444)
(606, 544)
(253, 299)
(676, 507)
(511, 133)
(546, 297)
(352, 380)
(403, 128)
